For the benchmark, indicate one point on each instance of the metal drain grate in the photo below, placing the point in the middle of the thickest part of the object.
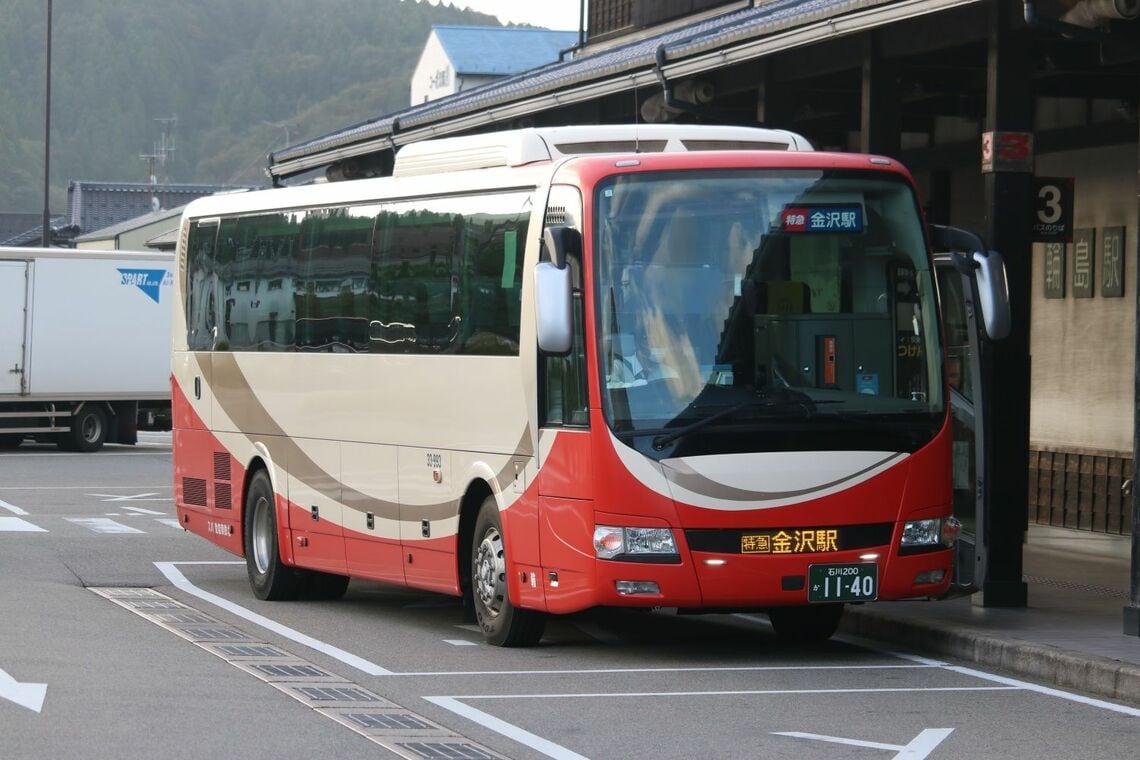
(390, 721)
(228, 651)
(334, 694)
(382, 722)
(273, 670)
(447, 751)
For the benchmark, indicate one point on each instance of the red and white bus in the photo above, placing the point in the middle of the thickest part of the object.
(553, 369)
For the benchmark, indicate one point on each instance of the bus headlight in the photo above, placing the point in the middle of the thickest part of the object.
(936, 533)
(612, 541)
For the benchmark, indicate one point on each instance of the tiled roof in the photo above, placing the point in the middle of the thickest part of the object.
(33, 235)
(133, 224)
(498, 51)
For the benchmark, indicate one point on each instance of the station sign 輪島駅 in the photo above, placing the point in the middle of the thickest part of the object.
(1084, 266)
(1112, 262)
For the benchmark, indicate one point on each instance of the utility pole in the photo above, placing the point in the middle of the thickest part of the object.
(46, 236)
(159, 158)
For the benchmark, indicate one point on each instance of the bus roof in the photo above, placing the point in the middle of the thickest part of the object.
(519, 147)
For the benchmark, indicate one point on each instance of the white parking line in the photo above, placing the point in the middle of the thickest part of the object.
(103, 525)
(1045, 690)
(741, 692)
(625, 671)
(509, 730)
(175, 576)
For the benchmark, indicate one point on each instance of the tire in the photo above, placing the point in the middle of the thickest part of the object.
(9, 441)
(800, 625)
(502, 623)
(88, 430)
(269, 577)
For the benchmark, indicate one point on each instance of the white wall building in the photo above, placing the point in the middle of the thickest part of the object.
(459, 58)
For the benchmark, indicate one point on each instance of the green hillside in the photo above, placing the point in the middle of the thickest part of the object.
(241, 78)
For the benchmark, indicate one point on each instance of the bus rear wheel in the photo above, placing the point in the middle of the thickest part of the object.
(269, 577)
(795, 625)
(502, 623)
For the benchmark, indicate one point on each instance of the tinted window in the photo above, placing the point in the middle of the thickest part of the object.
(201, 286)
(440, 275)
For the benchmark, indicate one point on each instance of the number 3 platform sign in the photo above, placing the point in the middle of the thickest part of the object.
(1052, 210)
(1007, 152)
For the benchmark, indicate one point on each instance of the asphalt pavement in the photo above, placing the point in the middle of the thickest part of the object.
(1070, 635)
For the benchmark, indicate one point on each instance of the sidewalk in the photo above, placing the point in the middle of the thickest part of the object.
(1070, 636)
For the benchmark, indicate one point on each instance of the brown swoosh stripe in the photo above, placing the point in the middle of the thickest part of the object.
(236, 398)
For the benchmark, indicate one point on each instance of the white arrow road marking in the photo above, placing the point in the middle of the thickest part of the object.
(12, 508)
(134, 497)
(921, 746)
(29, 695)
(18, 525)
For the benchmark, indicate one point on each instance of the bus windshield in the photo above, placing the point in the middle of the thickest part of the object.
(749, 310)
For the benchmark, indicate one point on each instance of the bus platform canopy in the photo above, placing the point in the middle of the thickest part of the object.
(708, 44)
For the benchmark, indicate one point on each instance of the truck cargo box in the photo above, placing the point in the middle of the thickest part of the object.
(82, 327)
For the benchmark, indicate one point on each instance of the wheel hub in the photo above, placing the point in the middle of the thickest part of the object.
(262, 540)
(490, 572)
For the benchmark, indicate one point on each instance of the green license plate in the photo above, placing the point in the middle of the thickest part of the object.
(857, 582)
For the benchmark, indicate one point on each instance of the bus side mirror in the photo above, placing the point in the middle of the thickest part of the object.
(993, 294)
(553, 299)
(554, 288)
(986, 268)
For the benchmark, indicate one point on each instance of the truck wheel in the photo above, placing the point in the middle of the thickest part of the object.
(502, 623)
(269, 577)
(88, 430)
(801, 625)
(11, 440)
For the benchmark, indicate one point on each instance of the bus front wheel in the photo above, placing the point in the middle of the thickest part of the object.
(269, 577)
(502, 623)
(805, 624)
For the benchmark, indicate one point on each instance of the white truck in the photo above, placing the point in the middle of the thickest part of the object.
(84, 345)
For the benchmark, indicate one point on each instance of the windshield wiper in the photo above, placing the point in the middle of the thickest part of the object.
(806, 405)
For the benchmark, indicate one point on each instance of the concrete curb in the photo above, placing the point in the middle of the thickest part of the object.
(1099, 676)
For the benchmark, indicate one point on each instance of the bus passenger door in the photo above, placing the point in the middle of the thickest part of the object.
(565, 460)
(964, 353)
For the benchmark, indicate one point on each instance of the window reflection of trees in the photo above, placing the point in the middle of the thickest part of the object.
(429, 276)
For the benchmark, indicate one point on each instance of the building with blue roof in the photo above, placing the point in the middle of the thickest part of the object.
(457, 58)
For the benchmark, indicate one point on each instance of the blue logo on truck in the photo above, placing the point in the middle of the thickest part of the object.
(149, 281)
